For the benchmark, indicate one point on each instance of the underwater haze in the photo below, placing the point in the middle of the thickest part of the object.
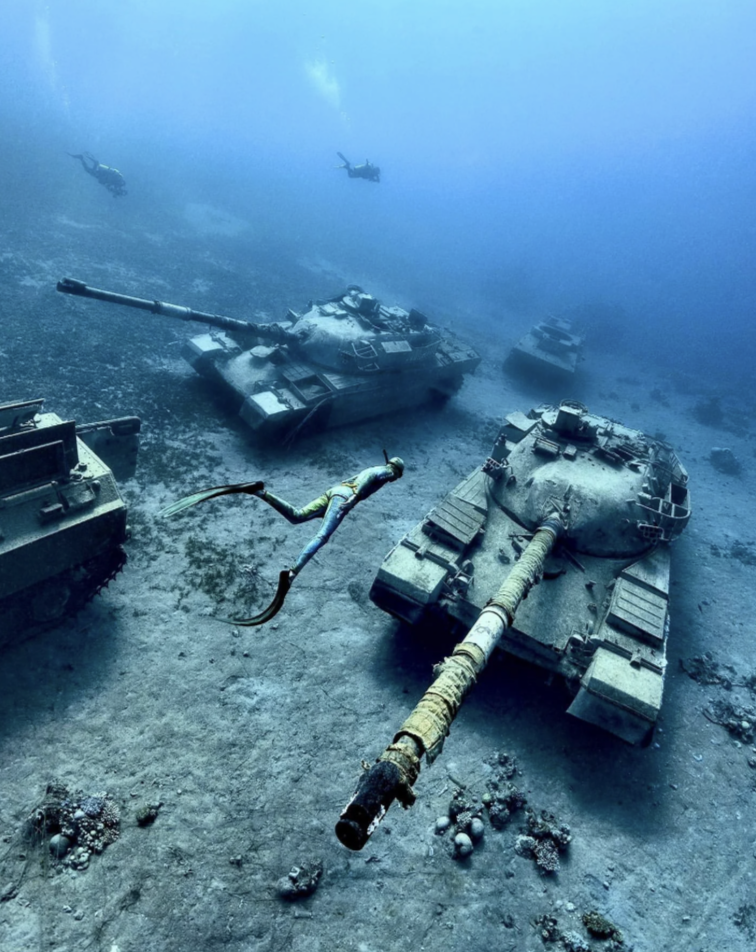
(586, 159)
(536, 156)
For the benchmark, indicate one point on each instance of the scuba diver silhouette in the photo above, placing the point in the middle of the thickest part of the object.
(110, 178)
(332, 506)
(367, 171)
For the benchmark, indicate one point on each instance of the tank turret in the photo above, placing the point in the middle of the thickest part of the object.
(62, 518)
(339, 361)
(574, 511)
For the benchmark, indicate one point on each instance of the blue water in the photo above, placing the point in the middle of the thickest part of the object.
(537, 155)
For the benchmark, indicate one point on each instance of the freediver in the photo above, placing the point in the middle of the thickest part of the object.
(112, 179)
(367, 171)
(332, 506)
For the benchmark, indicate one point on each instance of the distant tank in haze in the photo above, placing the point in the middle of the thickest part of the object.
(341, 361)
(62, 518)
(550, 349)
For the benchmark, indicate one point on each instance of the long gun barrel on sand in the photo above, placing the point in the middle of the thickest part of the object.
(396, 770)
(273, 332)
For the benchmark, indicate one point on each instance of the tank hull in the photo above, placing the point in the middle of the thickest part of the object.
(62, 525)
(275, 393)
(600, 621)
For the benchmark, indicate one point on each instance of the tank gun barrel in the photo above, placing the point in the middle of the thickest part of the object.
(398, 767)
(273, 332)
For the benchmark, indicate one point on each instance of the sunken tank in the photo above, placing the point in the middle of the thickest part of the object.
(599, 616)
(557, 549)
(550, 349)
(62, 518)
(340, 361)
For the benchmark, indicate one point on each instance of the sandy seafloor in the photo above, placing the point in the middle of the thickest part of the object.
(251, 740)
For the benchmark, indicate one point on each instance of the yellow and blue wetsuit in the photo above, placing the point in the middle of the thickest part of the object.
(333, 505)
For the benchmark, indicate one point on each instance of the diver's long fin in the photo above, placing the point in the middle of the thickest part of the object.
(284, 584)
(203, 494)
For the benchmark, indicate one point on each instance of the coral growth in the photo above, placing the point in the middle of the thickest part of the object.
(78, 824)
(502, 798)
(544, 840)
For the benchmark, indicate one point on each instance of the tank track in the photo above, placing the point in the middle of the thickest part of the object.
(99, 572)
(44, 606)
